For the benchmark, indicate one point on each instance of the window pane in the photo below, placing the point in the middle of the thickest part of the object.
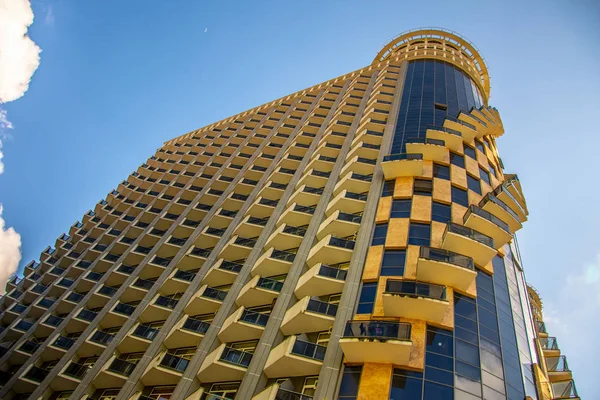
(438, 392)
(459, 196)
(401, 208)
(457, 159)
(479, 146)
(393, 263)
(379, 234)
(441, 212)
(404, 388)
(441, 171)
(473, 184)
(484, 175)
(470, 152)
(367, 298)
(350, 381)
(388, 188)
(419, 234)
(440, 343)
(422, 187)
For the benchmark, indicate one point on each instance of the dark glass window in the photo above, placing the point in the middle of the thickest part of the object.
(393, 263)
(493, 171)
(460, 196)
(439, 342)
(479, 146)
(438, 392)
(367, 298)
(350, 381)
(379, 234)
(406, 385)
(401, 208)
(470, 152)
(388, 188)
(441, 212)
(441, 171)
(457, 159)
(419, 234)
(473, 184)
(423, 187)
(484, 175)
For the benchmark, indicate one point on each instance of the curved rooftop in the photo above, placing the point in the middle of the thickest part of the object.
(441, 44)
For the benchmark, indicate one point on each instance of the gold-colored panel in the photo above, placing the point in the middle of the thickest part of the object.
(428, 169)
(403, 187)
(375, 381)
(474, 198)
(442, 190)
(397, 235)
(437, 233)
(421, 209)
(458, 213)
(458, 176)
(373, 263)
(472, 166)
(383, 209)
(412, 257)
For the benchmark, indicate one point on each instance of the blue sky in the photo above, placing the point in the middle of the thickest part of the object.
(117, 78)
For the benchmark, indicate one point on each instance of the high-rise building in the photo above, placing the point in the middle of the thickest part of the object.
(353, 240)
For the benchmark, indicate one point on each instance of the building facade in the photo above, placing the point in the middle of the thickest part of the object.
(354, 240)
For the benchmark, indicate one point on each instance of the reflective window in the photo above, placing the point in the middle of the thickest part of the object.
(350, 382)
(473, 184)
(470, 152)
(423, 187)
(441, 171)
(460, 196)
(401, 208)
(485, 176)
(419, 234)
(367, 298)
(393, 263)
(457, 159)
(379, 234)
(441, 212)
(388, 188)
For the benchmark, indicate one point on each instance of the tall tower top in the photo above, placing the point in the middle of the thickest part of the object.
(441, 44)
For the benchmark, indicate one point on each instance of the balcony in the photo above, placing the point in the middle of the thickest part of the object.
(497, 207)
(296, 215)
(353, 182)
(223, 272)
(188, 332)
(238, 248)
(340, 224)
(166, 369)
(251, 226)
(277, 392)
(321, 280)
(314, 178)
(306, 195)
(446, 268)
(159, 309)
(416, 300)
(295, 357)
(331, 250)
(95, 344)
(138, 339)
(243, 325)
(463, 240)
(259, 291)
(549, 346)
(308, 315)
(263, 207)
(273, 262)
(371, 341)
(430, 149)
(70, 377)
(467, 130)
(402, 164)
(510, 194)
(558, 369)
(224, 364)
(206, 300)
(488, 224)
(452, 138)
(115, 374)
(564, 390)
(347, 202)
(286, 236)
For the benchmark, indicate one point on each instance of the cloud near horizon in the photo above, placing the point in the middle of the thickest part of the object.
(19, 58)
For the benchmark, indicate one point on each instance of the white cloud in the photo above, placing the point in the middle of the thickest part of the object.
(10, 253)
(19, 55)
(571, 315)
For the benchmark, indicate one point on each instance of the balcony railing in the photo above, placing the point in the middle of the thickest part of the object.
(101, 337)
(334, 273)
(145, 332)
(549, 343)
(283, 255)
(213, 293)
(491, 197)
(284, 394)
(53, 320)
(107, 290)
(309, 350)
(557, 364)
(382, 330)
(36, 374)
(294, 230)
(236, 357)
(255, 318)
(246, 242)
(349, 217)
(447, 130)
(446, 256)
(121, 367)
(487, 216)
(269, 284)
(143, 283)
(18, 308)
(75, 297)
(77, 371)
(470, 233)
(343, 243)
(125, 309)
(23, 326)
(29, 347)
(196, 325)
(174, 362)
(402, 156)
(415, 289)
(185, 275)
(166, 302)
(63, 342)
(258, 221)
(304, 209)
(321, 307)
(541, 327)
(231, 266)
